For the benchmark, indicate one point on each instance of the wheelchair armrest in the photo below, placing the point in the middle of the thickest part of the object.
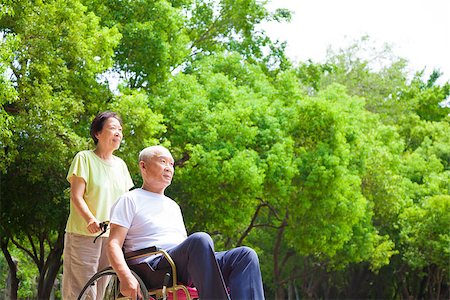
(154, 251)
(141, 252)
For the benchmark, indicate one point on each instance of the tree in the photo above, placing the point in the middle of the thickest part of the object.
(426, 98)
(426, 238)
(56, 55)
(273, 159)
(7, 95)
(332, 135)
(367, 70)
(163, 37)
(210, 126)
(410, 161)
(59, 49)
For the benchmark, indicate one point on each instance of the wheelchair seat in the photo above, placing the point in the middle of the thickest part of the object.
(154, 285)
(155, 279)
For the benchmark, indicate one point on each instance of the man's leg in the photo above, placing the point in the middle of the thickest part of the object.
(196, 263)
(242, 274)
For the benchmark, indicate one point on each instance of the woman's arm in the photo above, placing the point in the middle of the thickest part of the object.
(77, 189)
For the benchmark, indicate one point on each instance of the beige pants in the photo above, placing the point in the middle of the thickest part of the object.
(81, 260)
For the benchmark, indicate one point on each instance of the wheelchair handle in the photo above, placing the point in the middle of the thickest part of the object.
(104, 227)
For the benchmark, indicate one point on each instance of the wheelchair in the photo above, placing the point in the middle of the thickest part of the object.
(168, 289)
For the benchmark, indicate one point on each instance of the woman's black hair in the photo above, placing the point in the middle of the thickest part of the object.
(99, 121)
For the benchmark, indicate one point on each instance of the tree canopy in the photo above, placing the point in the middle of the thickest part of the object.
(336, 173)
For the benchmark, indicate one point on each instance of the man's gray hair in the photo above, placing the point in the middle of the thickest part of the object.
(151, 151)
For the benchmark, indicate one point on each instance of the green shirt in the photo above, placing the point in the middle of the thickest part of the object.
(105, 183)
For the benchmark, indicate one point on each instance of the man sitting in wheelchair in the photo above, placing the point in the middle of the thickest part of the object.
(146, 217)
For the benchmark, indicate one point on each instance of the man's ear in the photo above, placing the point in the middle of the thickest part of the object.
(141, 165)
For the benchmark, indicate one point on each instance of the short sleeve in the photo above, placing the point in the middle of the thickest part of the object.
(129, 182)
(123, 211)
(79, 167)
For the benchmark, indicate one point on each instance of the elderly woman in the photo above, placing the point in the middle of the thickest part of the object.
(97, 179)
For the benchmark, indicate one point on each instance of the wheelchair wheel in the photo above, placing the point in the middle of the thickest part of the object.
(107, 279)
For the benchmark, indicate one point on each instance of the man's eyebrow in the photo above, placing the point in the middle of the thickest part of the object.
(164, 156)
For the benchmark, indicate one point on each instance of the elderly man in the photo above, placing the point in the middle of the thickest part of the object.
(146, 217)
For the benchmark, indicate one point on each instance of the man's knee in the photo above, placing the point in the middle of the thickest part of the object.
(201, 239)
(248, 255)
(250, 252)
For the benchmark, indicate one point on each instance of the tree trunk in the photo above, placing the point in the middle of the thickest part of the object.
(13, 281)
(277, 276)
(51, 268)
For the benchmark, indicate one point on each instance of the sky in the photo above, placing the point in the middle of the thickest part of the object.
(417, 30)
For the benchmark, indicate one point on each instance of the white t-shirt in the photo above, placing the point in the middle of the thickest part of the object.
(152, 220)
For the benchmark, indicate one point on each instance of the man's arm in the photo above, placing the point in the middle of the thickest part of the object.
(129, 286)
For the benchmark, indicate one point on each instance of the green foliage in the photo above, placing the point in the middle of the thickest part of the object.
(163, 37)
(213, 130)
(425, 233)
(4, 271)
(27, 274)
(154, 39)
(228, 25)
(141, 127)
(407, 154)
(426, 99)
(331, 154)
(7, 96)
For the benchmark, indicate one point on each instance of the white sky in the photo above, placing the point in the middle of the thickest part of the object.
(418, 30)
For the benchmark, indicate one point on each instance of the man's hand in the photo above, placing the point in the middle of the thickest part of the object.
(130, 288)
(129, 285)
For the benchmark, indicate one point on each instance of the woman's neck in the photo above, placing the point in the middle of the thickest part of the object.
(104, 154)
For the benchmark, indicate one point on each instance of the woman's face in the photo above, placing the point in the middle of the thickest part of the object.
(111, 134)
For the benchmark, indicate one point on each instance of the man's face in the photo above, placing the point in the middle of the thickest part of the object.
(158, 170)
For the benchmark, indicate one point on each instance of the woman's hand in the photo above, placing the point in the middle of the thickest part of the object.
(93, 226)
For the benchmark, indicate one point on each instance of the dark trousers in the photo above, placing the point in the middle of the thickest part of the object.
(215, 273)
